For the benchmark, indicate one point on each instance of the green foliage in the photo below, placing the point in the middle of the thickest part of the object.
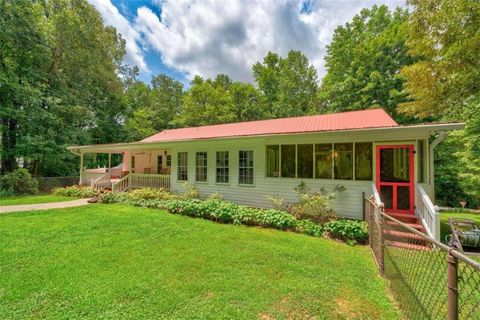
(276, 201)
(363, 62)
(18, 182)
(191, 191)
(75, 192)
(217, 210)
(314, 206)
(150, 194)
(288, 84)
(351, 231)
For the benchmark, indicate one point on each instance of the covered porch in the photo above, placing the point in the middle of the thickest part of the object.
(137, 169)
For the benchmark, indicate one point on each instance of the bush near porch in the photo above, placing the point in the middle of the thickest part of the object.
(227, 212)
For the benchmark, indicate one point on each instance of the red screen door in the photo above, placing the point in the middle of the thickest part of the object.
(395, 177)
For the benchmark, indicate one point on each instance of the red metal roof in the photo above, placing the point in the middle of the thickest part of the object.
(374, 118)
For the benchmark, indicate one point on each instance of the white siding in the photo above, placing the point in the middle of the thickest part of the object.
(348, 203)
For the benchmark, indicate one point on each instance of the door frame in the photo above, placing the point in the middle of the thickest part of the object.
(395, 185)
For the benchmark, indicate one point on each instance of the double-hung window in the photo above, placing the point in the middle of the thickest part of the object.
(222, 167)
(182, 166)
(201, 167)
(245, 167)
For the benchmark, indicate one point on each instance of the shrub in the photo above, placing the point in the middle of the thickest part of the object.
(315, 207)
(191, 191)
(75, 191)
(276, 201)
(150, 194)
(351, 231)
(19, 182)
(216, 195)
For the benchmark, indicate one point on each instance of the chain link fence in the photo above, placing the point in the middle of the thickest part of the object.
(47, 184)
(428, 279)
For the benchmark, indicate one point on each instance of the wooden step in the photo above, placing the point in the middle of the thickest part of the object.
(409, 246)
(403, 235)
(403, 216)
(417, 226)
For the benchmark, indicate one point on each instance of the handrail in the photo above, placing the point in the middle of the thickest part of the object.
(376, 195)
(101, 182)
(427, 213)
(88, 177)
(122, 184)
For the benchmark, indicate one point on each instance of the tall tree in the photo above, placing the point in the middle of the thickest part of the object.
(444, 36)
(154, 108)
(363, 62)
(288, 84)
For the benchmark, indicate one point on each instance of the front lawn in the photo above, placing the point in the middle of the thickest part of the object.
(115, 261)
(33, 199)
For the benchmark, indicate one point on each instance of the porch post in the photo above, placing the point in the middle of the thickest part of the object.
(81, 168)
(110, 163)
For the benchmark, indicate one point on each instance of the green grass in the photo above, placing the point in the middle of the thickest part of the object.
(114, 261)
(34, 199)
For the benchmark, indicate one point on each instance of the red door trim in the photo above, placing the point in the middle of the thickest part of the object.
(395, 185)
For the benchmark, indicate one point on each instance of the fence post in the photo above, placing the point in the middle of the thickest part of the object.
(370, 224)
(381, 240)
(452, 279)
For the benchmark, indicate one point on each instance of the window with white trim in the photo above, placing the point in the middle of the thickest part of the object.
(201, 166)
(182, 166)
(222, 167)
(245, 167)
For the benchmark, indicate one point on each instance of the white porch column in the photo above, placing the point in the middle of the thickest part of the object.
(110, 163)
(81, 168)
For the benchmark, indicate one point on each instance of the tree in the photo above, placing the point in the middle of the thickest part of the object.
(288, 84)
(154, 108)
(444, 37)
(363, 63)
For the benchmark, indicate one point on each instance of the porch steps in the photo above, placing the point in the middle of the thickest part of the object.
(401, 238)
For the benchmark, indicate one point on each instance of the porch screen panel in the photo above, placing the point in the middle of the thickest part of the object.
(245, 167)
(273, 161)
(222, 170)
(159, 164)
(305, 161)
(132, 165)
(323, 161)
(288, 157)
(343, 161)
(182, 166)
(201, 166)
(363, 160)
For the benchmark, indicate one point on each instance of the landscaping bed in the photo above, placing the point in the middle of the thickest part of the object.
(115, 261)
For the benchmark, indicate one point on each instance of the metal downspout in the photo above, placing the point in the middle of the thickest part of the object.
(441, 136)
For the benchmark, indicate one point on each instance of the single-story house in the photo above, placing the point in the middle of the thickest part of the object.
(362, 152)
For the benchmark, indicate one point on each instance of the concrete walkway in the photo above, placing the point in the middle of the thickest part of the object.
(43, 206)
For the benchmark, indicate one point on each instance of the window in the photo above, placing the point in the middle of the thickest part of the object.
(182, 166)
(245, 167)
(222, 173)
(159, 164)
(305, 161)
(273, 160)
(343, 161)
(421, 161)
(169, 161)
(132, 165)
(288, 155)
(363, 161)
(201, 167)
(323, 161)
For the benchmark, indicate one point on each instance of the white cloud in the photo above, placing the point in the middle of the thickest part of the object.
(208, 37)
(112, 17)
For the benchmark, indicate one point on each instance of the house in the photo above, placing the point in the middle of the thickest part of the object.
(364, 152)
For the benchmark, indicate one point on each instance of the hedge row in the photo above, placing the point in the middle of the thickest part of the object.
(227, 212)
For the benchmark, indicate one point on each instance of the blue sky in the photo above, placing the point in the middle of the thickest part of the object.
(184, 38)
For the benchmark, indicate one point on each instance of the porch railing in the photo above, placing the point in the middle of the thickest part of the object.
(427, 213)
(136, 180)
(88, 177)
(102, 182)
